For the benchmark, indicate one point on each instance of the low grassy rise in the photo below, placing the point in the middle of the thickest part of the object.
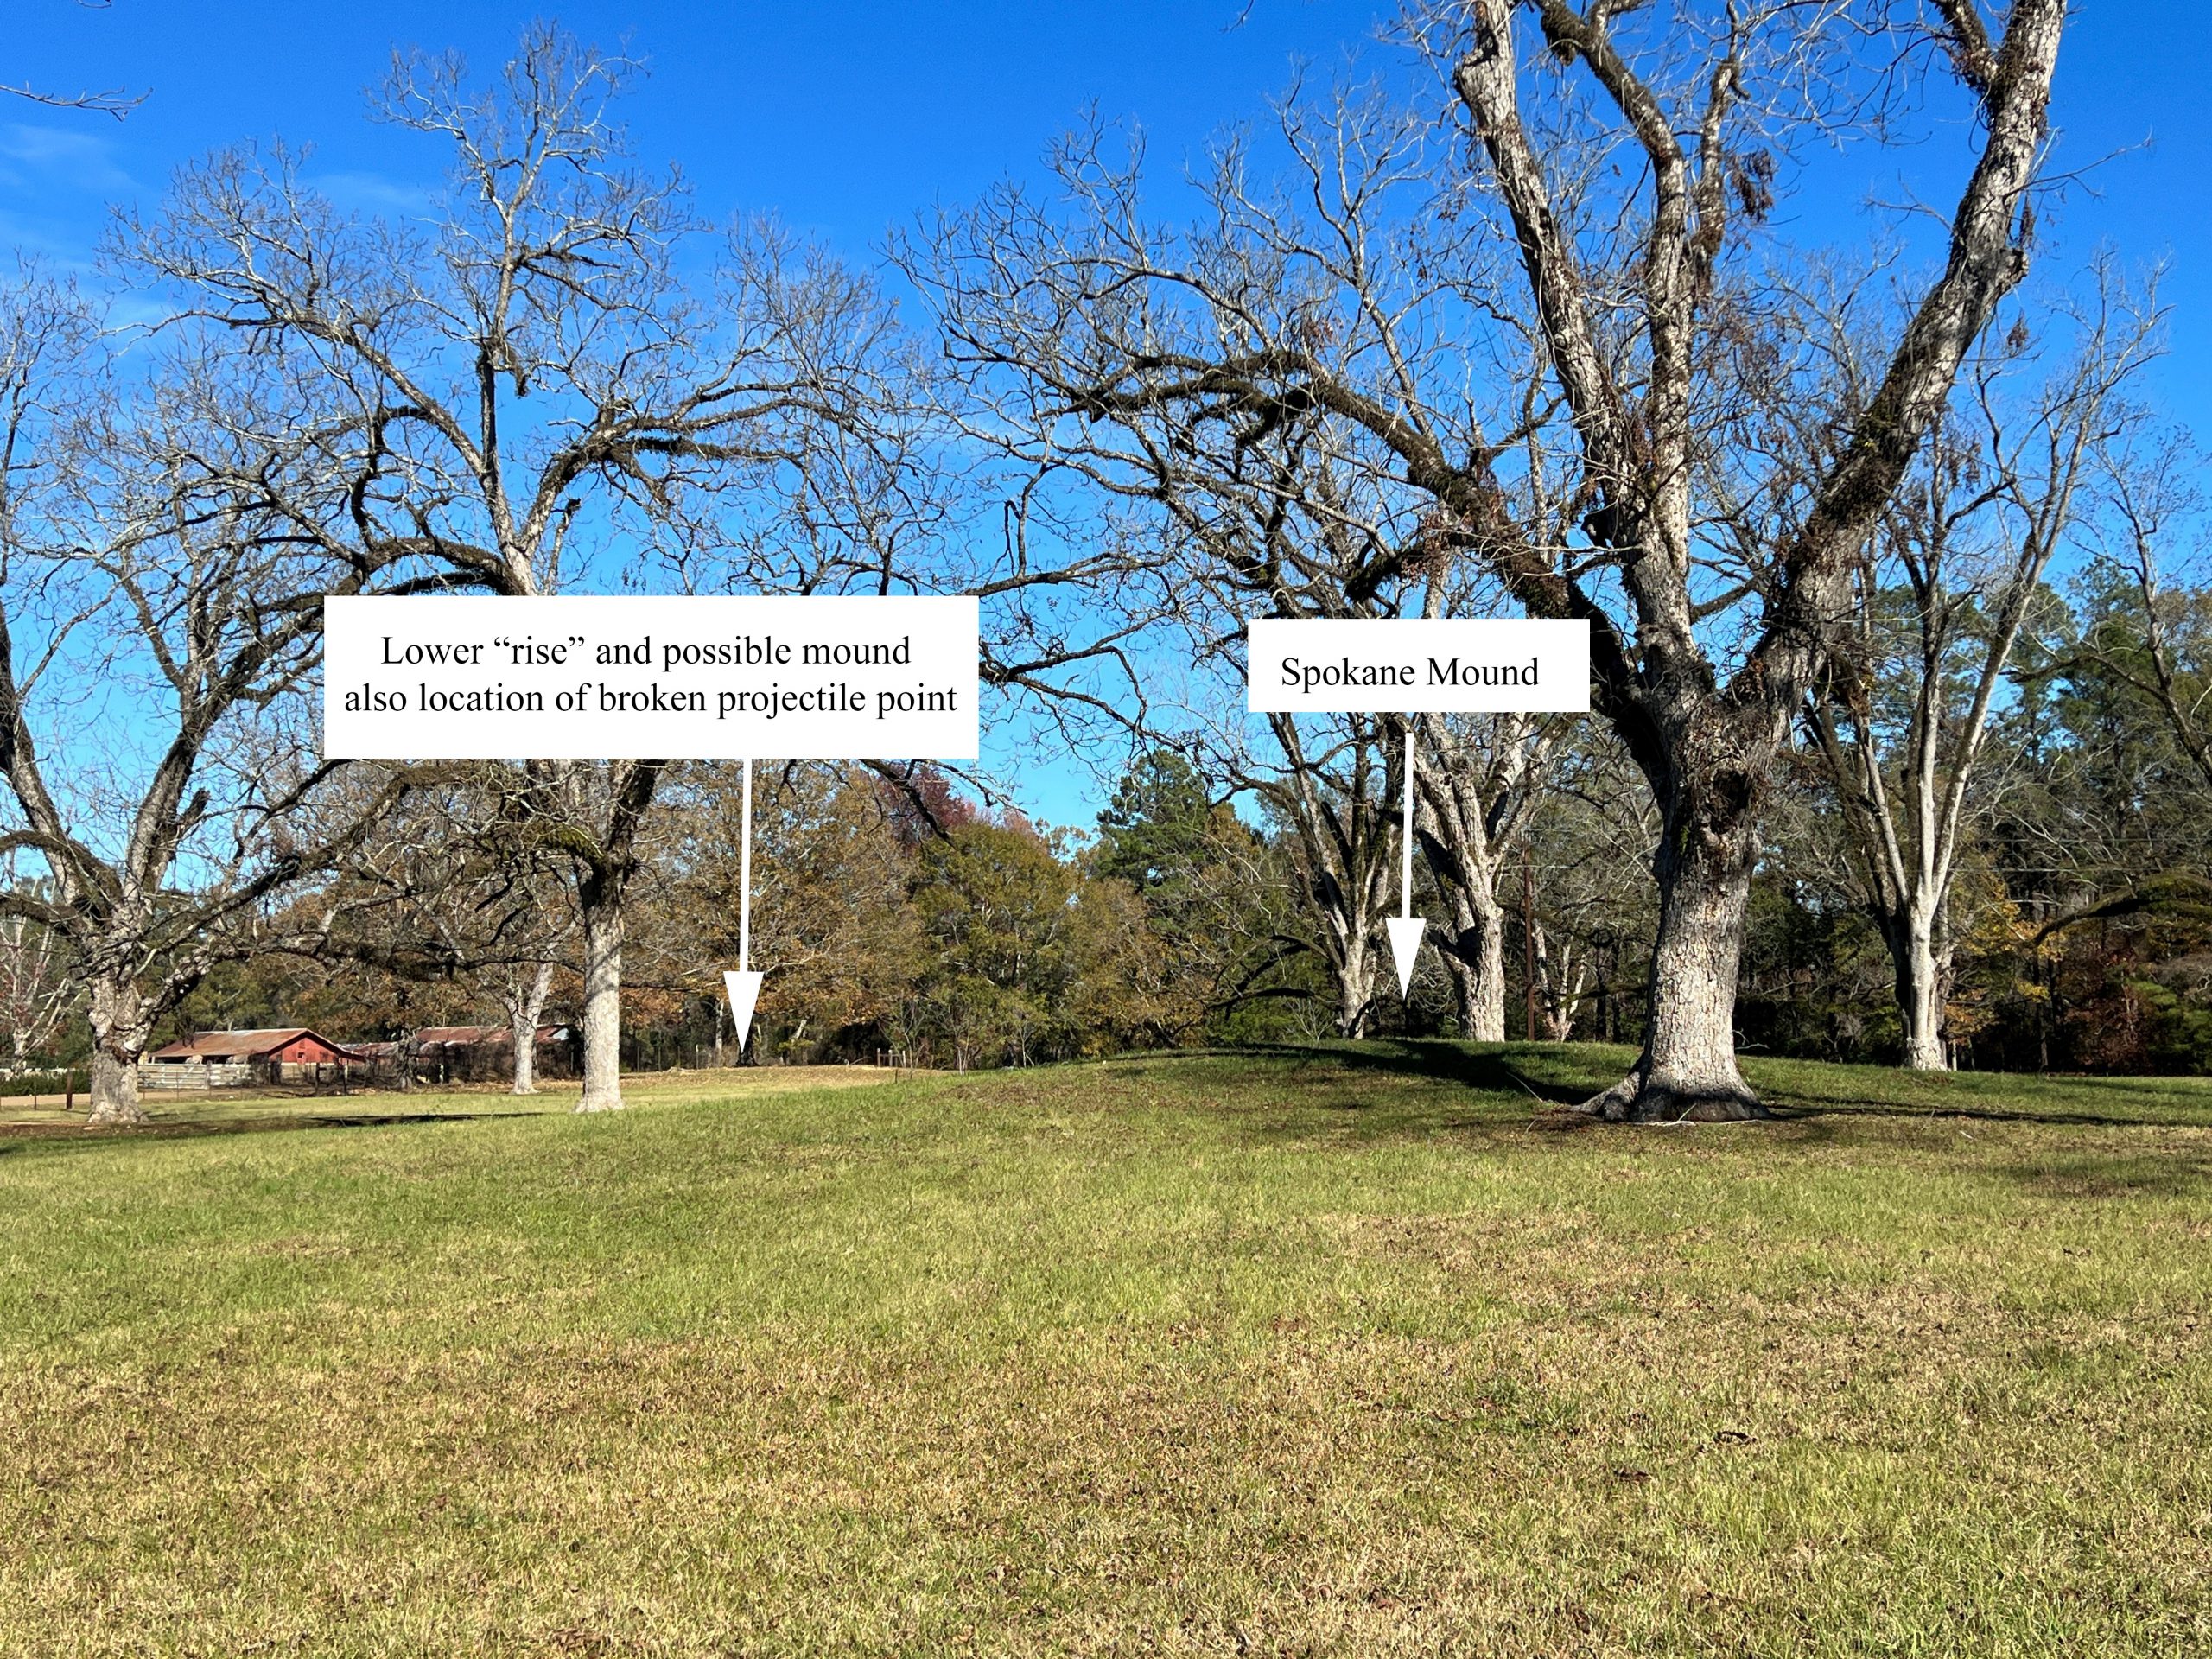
(1334, 1351)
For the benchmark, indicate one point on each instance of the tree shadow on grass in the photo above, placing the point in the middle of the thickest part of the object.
(1545, 1075)
(2132, 1177)
(2143, 1103)
(1549, 1077)
(1501, 1089)
(15, 1136)
(1800, 1109)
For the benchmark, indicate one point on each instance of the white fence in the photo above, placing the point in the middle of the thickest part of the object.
(154, 1076)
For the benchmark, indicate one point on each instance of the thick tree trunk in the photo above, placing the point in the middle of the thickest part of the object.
(617, 799)
(1687, 1070)
(522, 1024)
(1923, 983)
(1355, 975)
(603, 931)
(120, 1029)
(1477, 961)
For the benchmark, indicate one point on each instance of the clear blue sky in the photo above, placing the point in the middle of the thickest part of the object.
(846, 119)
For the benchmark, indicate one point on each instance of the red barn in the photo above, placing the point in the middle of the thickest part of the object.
(289, 1054)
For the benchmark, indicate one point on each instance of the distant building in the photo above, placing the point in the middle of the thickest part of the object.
(485, 1053)
(286, 1054)
(455, 1038)
(215, 1059)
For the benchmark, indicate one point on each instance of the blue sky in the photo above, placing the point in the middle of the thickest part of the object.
(844, 119)
(847, 119)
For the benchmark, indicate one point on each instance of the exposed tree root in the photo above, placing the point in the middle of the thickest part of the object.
(124, 1115)
(1634, 1100)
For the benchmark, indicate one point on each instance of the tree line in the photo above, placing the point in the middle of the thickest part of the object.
(1898, 740)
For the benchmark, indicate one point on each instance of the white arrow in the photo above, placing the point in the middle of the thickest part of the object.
(744, 985)
(1405, 928)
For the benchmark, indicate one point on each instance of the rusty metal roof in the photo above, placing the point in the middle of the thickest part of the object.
(471, 1036)
(244, 1045)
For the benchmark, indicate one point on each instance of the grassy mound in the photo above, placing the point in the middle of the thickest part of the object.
(1324, 1351)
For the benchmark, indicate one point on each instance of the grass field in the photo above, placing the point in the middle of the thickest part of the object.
(1310, 1352)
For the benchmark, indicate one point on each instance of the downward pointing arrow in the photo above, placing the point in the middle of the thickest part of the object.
(744, 990)
(1405, 946)
(744, 985)
(1406, 928)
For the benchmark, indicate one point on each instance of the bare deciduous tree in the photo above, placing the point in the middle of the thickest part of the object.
(145, 558)
(451, 887)
(1938, 602)
(2151, 505)
(37, 987)
(561, 375)
(1592, 431)
(1481, 781)
(1334, 794)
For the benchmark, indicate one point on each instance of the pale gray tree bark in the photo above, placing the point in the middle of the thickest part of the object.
(1480, 781)
(1562, 976)
(1938, 603)
(1342, 838)
(526, 1008)
(607, 862)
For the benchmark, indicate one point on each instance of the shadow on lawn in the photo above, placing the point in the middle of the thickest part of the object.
(1514, 1083)
(1549, 1076)
(2111, 1178)
(2110, 1102)
(1799, 1108)
(14, 1136)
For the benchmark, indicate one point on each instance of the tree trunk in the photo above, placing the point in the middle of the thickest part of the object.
(1355, 975)
(1477, 956)
(1687, 1070)
(1562, 987)
(1924, 982)
(120, 1028)
(523, 1011)
(603, 931)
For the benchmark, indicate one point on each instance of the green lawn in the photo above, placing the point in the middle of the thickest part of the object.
(1314, 1353)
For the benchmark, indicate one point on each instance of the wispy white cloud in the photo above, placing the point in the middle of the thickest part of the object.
(135, 312)
(374, 192)
(57, 250)
(35, 156)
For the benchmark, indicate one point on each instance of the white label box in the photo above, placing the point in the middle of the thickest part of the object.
(1416, 665)
(637, 676)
